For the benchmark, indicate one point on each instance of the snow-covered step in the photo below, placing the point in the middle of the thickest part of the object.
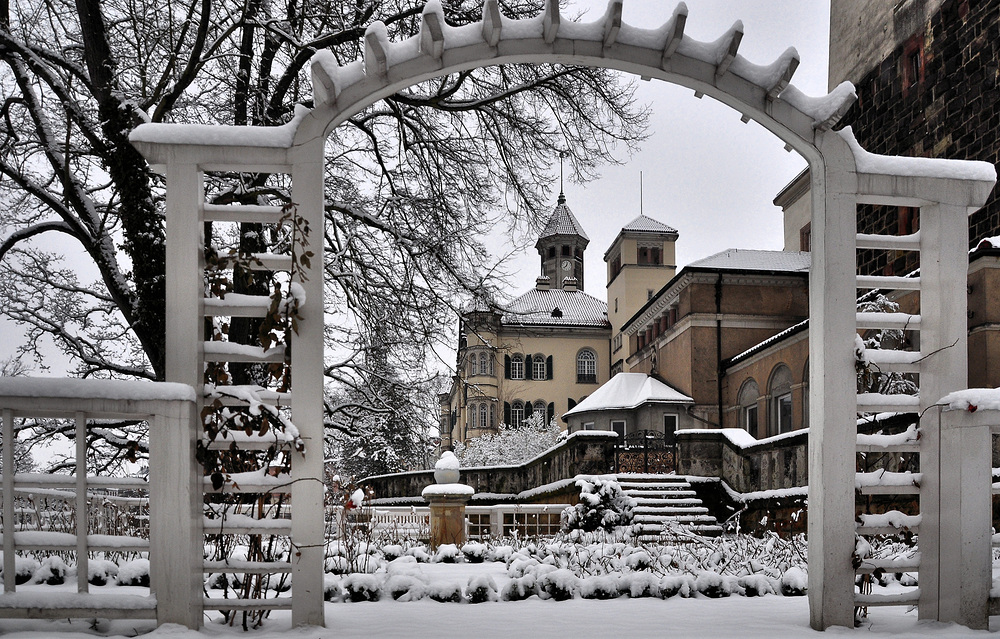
(891, 321)
(667, 501)
(904, 598)
(909, 242)
(882, 403)
(889, 361)
(657, 519)
(706, 530)
(889, 282)
(660, 486)
(248, 567)
(230, 352)
(275, 603)
(243, 213)
(670, 510)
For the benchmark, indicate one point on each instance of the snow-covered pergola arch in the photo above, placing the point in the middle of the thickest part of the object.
(842, 176)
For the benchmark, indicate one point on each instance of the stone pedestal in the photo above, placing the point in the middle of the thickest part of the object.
(447, 505)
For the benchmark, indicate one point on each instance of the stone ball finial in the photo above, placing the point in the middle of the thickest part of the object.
(446, 468)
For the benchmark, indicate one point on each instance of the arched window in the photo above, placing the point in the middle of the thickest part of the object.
(473, 365)
(540, 409)
(517, 366)
(517, 413)
(538, 366)
(492, 416)
(586, 367)
(780, 408)
(749, 393)
(484, 416)
(485, 363)
(805, 396)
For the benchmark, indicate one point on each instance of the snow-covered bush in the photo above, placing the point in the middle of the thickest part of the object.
(474, 552)
(756, 585)
(101, 571)
(362, 587)
(642, 584)
(603, 506)
(331, 589)
(794, 582)
(481, 588)
(510, 445)
(600, 587)
(560, 584)
(446, 554)
(405, 587)
(499, 553)
(53, 571)
(519, 588)
(392, 551)
(419, 553)
(134, 573)
(445, 592)
(24, 569)
(712, 584)
(682, 585)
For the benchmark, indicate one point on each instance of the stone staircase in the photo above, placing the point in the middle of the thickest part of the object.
(666, 503)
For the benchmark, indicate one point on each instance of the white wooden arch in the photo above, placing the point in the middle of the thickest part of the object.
(842, 176)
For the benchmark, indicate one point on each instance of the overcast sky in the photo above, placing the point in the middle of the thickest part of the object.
(705, 173)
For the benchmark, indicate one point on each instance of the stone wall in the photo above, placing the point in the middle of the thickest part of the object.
(950, 108)
(770, 465)
(583, 453)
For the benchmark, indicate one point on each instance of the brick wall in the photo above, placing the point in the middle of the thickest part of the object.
(936, 95)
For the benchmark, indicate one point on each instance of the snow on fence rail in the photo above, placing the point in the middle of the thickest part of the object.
(174, 544)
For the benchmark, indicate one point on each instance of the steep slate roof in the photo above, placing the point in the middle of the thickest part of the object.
(645, 224)
(627, 391)
(563, 222)
(755, 260)
(576, 308)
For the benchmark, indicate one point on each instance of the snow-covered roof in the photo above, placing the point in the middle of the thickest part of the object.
(563, 222)
(627, 391)
(756, 260)
(646, 224)
(556, 307)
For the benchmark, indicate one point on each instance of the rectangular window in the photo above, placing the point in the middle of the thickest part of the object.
(784, 412)
(805, 237)
(750, 419)
(669, 428)
(618, 425)
(517, 368)
(538, 367)
(588, 426)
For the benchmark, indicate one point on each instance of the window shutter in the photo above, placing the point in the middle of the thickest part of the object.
(527, 368)
(506, 366)
(551, 410)
(548, 367)
(571, 402)
(506, 411)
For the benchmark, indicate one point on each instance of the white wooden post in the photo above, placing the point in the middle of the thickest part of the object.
(307, 400)
(82, 512)
(176, 539)
(8, 499)
(184, 276)
(955, 500)
(832, 403)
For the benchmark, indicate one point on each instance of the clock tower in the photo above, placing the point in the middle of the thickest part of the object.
(561, 246)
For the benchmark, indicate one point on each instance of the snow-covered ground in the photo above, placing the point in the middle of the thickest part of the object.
(746, 617)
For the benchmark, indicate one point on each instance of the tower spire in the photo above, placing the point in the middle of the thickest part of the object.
(562, 196)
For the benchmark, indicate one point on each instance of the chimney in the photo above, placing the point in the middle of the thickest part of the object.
(543, 283)
(569, 284)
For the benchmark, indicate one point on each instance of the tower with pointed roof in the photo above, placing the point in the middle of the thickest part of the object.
(561, 245)
(640, 262)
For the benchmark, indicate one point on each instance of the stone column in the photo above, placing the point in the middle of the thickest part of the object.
(447, 499)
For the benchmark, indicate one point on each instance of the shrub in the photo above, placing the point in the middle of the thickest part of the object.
(446, 554)
(643, 584)
(682, 585)
(794, 582)
(362, 587)
(712, 584)
(519, 588)
(481, 588)
(600, 587)
(134, 573)
(756, 585)
(53, 571)
(561, 584)
(331, 589)
(445, 592)
(603, 506)
(405, 588)
(24, 569)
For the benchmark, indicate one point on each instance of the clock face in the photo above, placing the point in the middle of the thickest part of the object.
(566, 264)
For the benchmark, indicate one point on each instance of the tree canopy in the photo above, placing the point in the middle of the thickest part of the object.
(414, 183)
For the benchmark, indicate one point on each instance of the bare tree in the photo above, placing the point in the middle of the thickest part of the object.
(413, 182)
